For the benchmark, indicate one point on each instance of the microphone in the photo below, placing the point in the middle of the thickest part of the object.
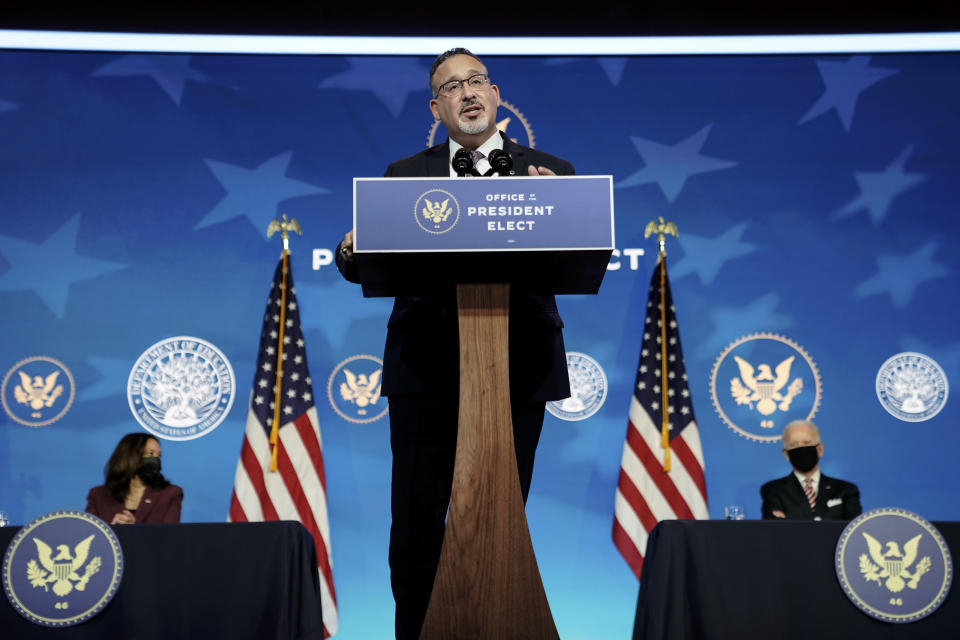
(462, 163)
(500, 162)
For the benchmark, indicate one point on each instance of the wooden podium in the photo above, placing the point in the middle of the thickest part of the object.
(488, 585)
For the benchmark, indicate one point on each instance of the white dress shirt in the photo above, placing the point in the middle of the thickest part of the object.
(495, 141)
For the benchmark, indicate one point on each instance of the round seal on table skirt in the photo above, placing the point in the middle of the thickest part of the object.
(62, 569)
(893, 565)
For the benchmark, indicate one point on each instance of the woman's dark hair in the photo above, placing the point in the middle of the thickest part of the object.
(123, 465)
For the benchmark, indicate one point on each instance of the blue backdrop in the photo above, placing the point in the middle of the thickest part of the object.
(816, 198)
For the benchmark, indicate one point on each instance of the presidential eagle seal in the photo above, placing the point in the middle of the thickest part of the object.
(37, 391)
(588, 389)
(912, 387)
(354, 389)
(436, 211)
(181, 388)
(893, 565)
(761, 382)
(62, 569)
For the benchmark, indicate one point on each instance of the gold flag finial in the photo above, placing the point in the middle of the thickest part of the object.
(661, 229)
(285, 226)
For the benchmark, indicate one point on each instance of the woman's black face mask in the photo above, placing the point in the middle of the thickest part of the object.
(149, 469)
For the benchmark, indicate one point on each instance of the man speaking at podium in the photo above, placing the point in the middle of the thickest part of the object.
(421, 358)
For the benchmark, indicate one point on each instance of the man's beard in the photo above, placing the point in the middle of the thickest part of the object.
(476, 126)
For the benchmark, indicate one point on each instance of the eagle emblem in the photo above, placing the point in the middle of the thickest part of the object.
(39, 392)
(436, 212)
(766, 387)
(360, 389)
(893, 564)
(62, 569)
(283, 226)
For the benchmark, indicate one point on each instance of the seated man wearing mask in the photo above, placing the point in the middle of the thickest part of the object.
(806, 493)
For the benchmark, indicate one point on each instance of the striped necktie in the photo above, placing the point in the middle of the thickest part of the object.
(810, 491)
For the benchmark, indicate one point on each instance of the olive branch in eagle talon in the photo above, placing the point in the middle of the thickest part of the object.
(870, 571)
(38, 577)
(436, 212)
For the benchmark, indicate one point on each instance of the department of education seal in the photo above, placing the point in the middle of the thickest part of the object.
(893, 565)
(62, 569)
(588, 389)
(758, 385)
(37, 391)
(354, 389)
(912, 387)
(181, 388)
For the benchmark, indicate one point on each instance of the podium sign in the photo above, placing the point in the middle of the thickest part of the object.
(551, 234)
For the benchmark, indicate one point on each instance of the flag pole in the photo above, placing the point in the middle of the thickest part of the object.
(662, 228)
(284, 227)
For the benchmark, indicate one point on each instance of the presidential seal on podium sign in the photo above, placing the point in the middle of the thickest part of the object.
(893, 565)
(62, 569)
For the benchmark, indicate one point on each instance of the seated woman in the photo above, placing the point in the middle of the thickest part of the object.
(134, 489)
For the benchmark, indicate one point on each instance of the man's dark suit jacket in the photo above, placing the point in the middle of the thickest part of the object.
(422, 348)
(157, 505)
(836, 499)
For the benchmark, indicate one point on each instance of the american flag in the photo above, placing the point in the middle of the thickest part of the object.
(296, 488)
(658, 482)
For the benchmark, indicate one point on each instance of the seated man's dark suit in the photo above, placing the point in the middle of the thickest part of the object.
(421, 377)
(836, 499)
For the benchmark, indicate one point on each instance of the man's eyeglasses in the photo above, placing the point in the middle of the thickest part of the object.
(476, 81)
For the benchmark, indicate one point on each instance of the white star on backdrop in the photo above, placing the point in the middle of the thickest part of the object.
(844, 82)
(255, 193)
(391, 80)
(878, 189)
(899, 276)
(671, 166)
(50, 267)
(169, 71)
